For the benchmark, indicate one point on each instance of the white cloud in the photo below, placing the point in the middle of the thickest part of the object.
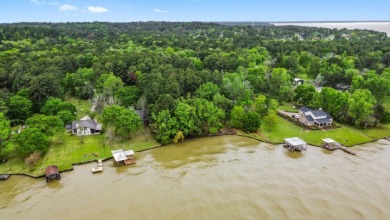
(37, 1)
(43, 2)
(96, 9)
(54, 3)
(159, 11)
(67, 7)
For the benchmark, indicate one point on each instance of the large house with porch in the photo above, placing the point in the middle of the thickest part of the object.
(317, 118)
(85, 127)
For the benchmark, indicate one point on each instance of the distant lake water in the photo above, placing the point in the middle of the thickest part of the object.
(376, 26)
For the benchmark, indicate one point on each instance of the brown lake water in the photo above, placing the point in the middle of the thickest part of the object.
(214, 178)
(376, 26)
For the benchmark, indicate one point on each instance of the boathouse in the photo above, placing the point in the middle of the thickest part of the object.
(329, 144)
(4, 176)
(52, 172)
(123, 157)
(295, 144)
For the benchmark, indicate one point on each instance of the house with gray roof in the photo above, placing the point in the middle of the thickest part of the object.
(317, 118)
(85, 127)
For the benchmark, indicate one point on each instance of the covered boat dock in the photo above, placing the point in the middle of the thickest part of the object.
(4, 176)
(123, 157)
(52, 172)
(295, 144)
(332, 145)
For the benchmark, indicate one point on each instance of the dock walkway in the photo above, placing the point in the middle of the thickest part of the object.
(336, 146)
(347, 150)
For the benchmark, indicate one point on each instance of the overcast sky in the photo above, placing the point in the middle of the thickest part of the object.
(192, 10)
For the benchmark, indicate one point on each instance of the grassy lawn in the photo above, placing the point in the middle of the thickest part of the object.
(288, 107)
(346, 135)
(83, 106)
(74, 150)
(375, 133)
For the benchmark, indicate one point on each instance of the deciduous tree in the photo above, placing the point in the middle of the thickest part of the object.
(271, 119)
(19, 109)
(360, 106)
(251, 122)
(166, 126)
(237, 116)
(5, 131)
(31, 140)
(207, 91)
(304, 94)
(279, 84)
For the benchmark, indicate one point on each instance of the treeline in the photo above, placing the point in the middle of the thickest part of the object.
(190, 79)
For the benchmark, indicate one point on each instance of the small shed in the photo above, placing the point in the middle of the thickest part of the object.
(52, 172)
(125, 157)
(295, 144)
(330, 144)
(328, 141)
(298, 81)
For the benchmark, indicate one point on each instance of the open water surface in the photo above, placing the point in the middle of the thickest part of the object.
(376, 26)
(227, 177)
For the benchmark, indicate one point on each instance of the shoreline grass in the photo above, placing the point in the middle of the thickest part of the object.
(346, 135)
(75, 151)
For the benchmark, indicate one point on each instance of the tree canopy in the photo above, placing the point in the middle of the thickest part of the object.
(190, 79)
(31, 140)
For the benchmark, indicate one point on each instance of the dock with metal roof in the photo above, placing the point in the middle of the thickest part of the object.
(295, 144)
(123, 157)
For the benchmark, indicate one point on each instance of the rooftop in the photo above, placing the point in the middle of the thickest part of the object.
(121, 155)
(88, 123)
(328, 140)
(318, 113)
(295, 141)
(304, 109)
(51, 170)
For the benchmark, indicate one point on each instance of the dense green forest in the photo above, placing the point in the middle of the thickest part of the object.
(188, 79)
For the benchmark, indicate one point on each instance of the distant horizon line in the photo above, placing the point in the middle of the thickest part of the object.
(280, 22)
(331, 21)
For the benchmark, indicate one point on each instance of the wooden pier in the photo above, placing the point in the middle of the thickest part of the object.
(347, 150)
(99, 168)
(332, 145)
